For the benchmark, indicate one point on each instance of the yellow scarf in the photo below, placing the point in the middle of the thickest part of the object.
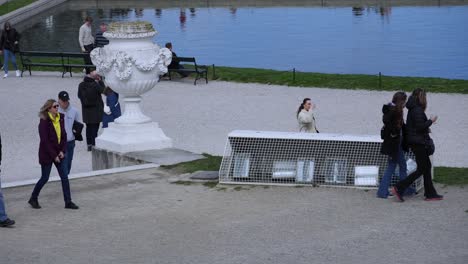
(56, 123)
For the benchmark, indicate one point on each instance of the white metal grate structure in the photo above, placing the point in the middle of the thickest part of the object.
(279, 158)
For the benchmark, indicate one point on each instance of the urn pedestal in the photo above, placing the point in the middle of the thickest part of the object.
(132, 65)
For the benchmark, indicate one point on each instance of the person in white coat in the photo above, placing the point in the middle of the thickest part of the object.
(305, 117)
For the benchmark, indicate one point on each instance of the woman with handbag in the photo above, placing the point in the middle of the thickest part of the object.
(52, 149)
(8, 46)
(393, 142)
(421, 144)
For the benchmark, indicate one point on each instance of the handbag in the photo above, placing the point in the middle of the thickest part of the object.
(77, 129)
(430, 147)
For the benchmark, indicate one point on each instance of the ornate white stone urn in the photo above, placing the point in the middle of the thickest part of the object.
(132, 65)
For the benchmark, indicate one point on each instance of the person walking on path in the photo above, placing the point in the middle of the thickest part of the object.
(305, 117)
(86, 40)
(112, 107)
(92, 106)
(52, 151)
(100, 41)
(4, 220)
(417, 136)
(71, 116)
(9, 44)
(394, 143)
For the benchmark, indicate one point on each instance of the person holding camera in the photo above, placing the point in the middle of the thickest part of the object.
(92, 106)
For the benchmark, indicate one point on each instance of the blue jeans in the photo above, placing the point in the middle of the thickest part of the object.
(69, 157)
(7, 55)
(3, 215)
(45, 169)
(387, 177)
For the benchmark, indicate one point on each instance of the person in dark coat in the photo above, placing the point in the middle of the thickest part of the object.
(393, 135)
(421, 144)
(112, 108)
(9, 44)
(4, 220)
(52, 149)
(89, 92)
(175, 63)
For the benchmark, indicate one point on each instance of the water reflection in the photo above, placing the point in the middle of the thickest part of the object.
(182, 18)
(158, 12)
(411, 43)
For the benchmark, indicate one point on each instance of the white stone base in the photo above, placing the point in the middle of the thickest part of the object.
(125, 138)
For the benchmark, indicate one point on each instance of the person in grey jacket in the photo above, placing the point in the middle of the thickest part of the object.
(71, 115)
(4, 220)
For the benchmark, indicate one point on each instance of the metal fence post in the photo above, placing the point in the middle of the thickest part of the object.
(214, 73)
(294, 74)
(380, 80)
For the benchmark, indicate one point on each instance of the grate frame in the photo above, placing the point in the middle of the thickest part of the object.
(306, 159)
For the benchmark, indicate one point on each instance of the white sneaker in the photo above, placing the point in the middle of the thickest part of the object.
(18, 73)
(6, 75)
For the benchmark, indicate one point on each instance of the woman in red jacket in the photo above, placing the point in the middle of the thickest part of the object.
(52, 149)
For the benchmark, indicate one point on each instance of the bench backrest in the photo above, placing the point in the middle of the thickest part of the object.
(40, 54)
(185, 59)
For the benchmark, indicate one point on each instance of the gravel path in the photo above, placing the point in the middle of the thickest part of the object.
(198, 118)
(138, 217)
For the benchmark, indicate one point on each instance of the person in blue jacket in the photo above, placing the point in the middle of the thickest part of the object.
(112, 107)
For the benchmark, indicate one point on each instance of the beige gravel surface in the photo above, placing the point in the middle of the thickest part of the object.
(198, 118)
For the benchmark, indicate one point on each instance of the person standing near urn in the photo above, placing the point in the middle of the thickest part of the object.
(92, 106)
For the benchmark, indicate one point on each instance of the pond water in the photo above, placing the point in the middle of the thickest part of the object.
(416, 40)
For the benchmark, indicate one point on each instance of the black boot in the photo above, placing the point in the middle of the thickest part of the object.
(71, 205)
(34, 203)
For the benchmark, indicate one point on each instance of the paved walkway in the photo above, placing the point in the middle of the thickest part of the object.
(199, 118)
(138, 217)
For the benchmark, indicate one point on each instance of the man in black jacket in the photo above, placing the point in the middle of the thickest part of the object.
(4, 220)
(89, 92)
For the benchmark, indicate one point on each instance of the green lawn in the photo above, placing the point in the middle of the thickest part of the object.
(209, 163)
(310, 79)
(339, 81)
(442, 175)
(12, 5)
(451, 176)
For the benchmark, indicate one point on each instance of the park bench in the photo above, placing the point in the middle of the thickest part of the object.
(58, 59)
(200, 70)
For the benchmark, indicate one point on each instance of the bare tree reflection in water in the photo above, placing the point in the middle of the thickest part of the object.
(158, 12)
(233, 11)
(358, 11)
(138, 12)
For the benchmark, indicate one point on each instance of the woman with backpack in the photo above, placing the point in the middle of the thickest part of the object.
(393, 135)
(421, 144)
